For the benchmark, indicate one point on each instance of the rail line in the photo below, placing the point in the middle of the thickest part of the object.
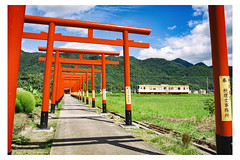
(199, 143)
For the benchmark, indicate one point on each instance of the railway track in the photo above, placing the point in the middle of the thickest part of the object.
(199, 143)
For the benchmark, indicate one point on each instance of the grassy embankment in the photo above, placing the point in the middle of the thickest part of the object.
(26, 139)
(184, 113)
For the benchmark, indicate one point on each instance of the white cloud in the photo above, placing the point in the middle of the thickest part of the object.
(27, 50)
(165, 52)
(171, 28)
(196, 46)
(193, 47)
(57, 11)
(63, 10)
(200, 10)
(36, 27)
(193, 23)
(81, 31)
(88, 46)
(230, 59)
(121, 52)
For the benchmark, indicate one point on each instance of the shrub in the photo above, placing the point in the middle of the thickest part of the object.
(26, 100)
(18, 106)
(186, 139)
(209, 106)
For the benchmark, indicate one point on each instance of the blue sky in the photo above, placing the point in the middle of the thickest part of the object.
(178, 31)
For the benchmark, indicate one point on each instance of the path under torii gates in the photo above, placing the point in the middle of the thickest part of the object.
(222, 90)
(82, 131)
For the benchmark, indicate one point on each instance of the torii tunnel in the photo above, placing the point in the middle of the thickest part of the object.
(17, 17)
(101, 62)
(80, 80)
(92, 70)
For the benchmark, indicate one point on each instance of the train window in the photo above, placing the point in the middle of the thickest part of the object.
(144, 87)
(138, 87)
(179, 88)
(165, 88)
(183, 88)
(154, 88)
(171, 88)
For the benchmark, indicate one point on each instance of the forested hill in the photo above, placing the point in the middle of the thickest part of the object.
(149, 71)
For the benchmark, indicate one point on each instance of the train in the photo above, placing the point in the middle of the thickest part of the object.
(163, 89)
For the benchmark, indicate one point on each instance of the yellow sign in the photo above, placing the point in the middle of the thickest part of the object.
(104, 97)
(93, 93)
(83, 93)
(128, 95)
(87, 94)
(225, 97)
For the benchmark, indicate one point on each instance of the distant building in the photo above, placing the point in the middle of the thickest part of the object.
(195, 91)
(202, 91)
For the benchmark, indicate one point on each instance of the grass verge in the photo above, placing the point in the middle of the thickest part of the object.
(29, 141)
(184, 113)
(166, 143)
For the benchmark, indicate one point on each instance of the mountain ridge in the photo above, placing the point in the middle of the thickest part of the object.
(148, 71)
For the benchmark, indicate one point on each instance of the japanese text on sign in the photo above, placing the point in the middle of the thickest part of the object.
(128, 95)
(93, 93)
(104, 97)
(225, 96)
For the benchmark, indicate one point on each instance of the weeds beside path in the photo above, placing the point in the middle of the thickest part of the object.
(27, 140)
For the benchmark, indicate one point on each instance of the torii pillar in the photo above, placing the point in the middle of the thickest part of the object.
(104, 96)
(221, 79)
(47, 76)
(83, 88)
(55, 78)
(128, 112)
(87, 88)
(93, 87)
(80, 94)
(16, 15)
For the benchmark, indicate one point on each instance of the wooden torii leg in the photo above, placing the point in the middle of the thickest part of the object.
(221, 79)
(93, 88)
(128, 113)
(15, 29)
(47, 77)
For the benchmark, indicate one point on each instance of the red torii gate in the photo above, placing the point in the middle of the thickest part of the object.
(92, 70)
(78, 78)
(85, 51)
(16, 15)
(51, 37)
(101, 62)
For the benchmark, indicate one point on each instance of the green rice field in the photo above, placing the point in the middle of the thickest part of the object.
(184, 113)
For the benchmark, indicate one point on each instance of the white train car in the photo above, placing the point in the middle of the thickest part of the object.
(163, 89)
